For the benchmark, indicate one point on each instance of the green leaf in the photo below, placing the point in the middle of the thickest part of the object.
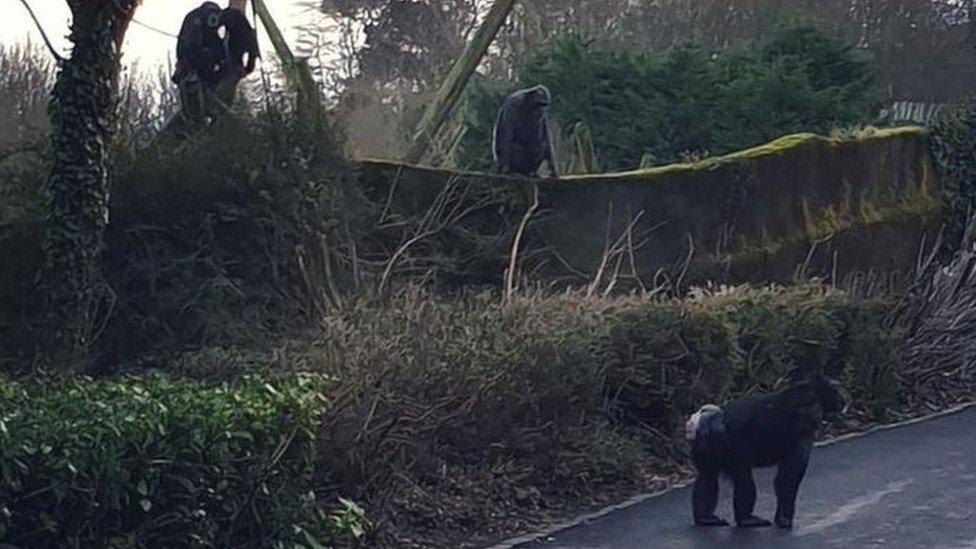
(311, 541)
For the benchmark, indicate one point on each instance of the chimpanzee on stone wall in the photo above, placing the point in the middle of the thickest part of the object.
(520, 142)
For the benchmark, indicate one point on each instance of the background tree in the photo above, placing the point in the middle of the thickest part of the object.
(397, 52)
(81, 109)
(385, 57)
(688, 101)
(919, 46)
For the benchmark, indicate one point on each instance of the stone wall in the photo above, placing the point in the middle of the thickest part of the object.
(861, 202)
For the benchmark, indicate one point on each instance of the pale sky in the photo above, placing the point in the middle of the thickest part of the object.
(142, 46)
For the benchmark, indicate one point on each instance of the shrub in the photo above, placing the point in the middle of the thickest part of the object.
(205, 240)
(775, 331)
(666, 359)
(868, 349)
(663, 359)
(154, 462)
(954, 150)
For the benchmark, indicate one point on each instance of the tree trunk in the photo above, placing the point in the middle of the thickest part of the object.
(450, 91)
(81, 110)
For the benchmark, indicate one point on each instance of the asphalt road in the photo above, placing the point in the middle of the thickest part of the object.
(910, 487)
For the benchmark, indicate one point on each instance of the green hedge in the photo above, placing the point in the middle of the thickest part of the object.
(153, 462)
(663, 360)
(954, 150)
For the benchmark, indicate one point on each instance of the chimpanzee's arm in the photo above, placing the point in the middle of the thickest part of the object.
(503, 137)
(190, 39)
(253, 52)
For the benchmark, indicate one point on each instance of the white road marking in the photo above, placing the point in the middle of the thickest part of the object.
(850, 509)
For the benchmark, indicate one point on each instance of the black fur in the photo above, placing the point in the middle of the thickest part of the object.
(776, 429)
(520, 142)
(241, 40)
(199, 47)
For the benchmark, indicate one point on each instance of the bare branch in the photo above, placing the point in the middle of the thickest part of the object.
(40, 29)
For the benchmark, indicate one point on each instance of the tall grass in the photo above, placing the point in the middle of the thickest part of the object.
(26, 76)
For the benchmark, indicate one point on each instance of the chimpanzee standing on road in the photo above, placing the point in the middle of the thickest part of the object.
(758, 431)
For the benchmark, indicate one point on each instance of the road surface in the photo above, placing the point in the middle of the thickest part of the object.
(910, 487)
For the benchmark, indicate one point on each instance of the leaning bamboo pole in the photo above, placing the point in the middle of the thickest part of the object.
(296, 69)
(450, 91)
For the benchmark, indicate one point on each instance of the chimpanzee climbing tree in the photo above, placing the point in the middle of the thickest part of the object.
(81, 109)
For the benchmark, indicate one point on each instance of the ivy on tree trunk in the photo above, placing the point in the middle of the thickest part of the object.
(81, 111)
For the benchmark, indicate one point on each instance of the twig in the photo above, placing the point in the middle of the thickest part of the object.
(687, 264)
(510, 275)
(606, 250)
(389, 199)
(801, 270)
(30, 145)
(316, 301)
(614, 252)
(572, 270)
(329, 275)
(633, 261)
(615, 277)
(396, 256)
(154, 29)
(40, 29)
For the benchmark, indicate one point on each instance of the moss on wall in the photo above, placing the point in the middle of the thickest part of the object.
(786, 145)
